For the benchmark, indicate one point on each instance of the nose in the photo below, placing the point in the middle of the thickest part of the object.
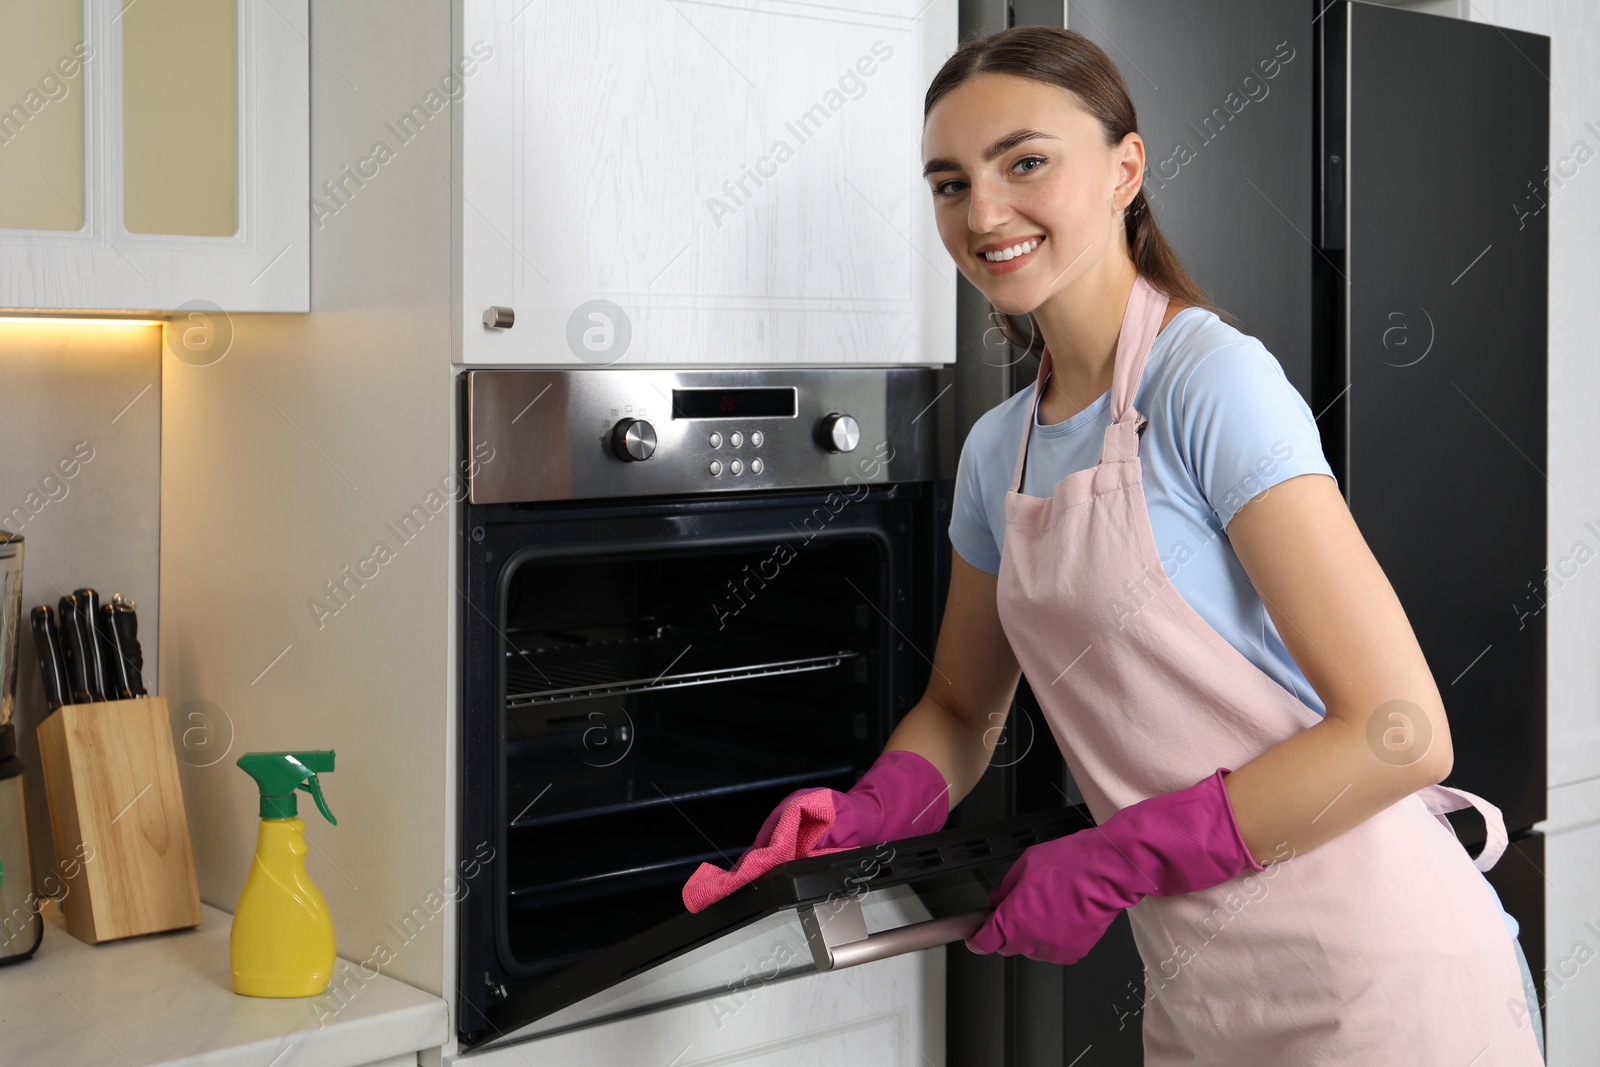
(987, 207)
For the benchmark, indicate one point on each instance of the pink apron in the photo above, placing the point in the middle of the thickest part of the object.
(1382, 946)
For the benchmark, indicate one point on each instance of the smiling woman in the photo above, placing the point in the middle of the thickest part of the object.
(1267, 709)
(1034, 153)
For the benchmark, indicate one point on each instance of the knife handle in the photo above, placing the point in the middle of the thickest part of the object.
(72, 651)
(87, 602)
(51, 668)
(124, 626)
(125, 619)
(105, 631)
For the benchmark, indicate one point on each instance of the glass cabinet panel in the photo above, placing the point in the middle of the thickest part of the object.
(180, 117)
(42, 54)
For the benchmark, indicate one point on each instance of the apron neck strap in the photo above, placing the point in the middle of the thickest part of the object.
(1141, 321)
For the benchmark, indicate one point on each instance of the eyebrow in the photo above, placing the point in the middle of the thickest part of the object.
(994, 151)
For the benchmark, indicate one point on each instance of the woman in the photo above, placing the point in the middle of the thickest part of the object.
(1249, 716)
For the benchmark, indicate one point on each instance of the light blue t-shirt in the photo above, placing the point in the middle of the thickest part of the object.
(1225, 425)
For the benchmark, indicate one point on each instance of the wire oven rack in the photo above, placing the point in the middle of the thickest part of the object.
(551, 666)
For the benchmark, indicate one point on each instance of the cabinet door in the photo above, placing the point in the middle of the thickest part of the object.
(156, 154)
(888, 1013)
(699, 183)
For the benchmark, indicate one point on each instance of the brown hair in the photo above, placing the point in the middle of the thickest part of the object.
(1070, 61)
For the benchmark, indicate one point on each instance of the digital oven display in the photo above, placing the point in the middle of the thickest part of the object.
(733, 403)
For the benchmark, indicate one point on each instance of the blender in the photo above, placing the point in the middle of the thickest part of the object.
(21, 925)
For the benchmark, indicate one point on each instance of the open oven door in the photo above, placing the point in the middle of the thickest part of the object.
(820, 914)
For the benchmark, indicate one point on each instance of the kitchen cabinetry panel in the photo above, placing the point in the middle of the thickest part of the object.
(41, 118)
(890, 1013)
(674, 183)
(180, 75)
(1571, 876)
(224, 183)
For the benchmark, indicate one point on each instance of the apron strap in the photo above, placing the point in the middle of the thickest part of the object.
(1140, 324)
(1443, 798)
(1141, 321)
(1033, 415)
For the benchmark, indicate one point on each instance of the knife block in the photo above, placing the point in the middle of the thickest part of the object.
(116, 813)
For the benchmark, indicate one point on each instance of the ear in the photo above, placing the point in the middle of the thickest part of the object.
(1128, 170)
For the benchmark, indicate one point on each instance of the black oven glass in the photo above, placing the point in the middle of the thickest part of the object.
(657, 705)
(776, 401)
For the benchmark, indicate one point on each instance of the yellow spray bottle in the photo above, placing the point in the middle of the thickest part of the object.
(282, 942)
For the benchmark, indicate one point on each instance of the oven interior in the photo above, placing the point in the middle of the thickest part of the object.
(656, 706)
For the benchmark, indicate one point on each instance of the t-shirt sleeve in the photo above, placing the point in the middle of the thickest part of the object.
(970, 532)
(1246, 428)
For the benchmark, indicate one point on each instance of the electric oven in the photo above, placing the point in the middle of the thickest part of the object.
(685, 594)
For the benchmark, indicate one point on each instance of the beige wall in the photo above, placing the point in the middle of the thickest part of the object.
(281, 464)
(83, 400)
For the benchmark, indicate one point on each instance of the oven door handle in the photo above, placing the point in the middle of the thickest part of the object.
(836, 930)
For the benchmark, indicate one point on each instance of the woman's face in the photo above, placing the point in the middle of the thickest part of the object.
(1011, 161)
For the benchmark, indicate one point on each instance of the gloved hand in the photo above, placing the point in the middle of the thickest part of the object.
(901, 795)
(1061, 895)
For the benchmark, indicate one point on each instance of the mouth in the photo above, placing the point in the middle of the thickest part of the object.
(1012, 257)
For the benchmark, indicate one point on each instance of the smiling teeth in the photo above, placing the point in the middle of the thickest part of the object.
(1013, 252)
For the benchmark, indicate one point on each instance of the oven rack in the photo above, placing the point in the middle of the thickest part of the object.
(553, 666)
(661, 768)
(657, 866)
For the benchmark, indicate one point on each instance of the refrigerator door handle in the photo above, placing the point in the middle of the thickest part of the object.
(837, 933)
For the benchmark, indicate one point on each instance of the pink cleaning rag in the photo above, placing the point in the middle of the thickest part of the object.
(800, 825)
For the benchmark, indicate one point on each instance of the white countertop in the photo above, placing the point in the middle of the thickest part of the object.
(168, 999)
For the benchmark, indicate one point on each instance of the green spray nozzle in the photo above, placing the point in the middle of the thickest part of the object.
(279, 774)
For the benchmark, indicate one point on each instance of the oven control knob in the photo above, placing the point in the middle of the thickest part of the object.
(633, 439)
(839, 433)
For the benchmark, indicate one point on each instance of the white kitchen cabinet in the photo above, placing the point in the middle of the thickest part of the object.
(890, 1012)
(673, 183)
(155, 155)
(1572, 927)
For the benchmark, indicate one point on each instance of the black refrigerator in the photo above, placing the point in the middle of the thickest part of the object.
(1374, 211)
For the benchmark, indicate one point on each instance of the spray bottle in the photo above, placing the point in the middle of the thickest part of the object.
(282, 942)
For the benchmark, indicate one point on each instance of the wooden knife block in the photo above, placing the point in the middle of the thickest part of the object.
(116, 813)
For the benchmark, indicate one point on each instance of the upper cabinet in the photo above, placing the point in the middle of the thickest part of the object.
(697, 183)
(155, 154)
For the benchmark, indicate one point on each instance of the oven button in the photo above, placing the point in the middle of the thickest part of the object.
(633, 439)
(736, 439)
(736, 467)
(755, 466)
(716, 467)
(756, 438)
(715, 441)
(839, 433)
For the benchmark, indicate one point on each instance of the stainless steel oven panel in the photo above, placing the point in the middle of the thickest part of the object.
(569, 435)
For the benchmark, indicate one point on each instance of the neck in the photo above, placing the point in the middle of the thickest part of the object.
(1080, 325)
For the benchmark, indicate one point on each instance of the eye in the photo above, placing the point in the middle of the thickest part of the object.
(1027, 159)
(941, 189)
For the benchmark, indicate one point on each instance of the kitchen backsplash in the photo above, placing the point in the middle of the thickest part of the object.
(80, 479)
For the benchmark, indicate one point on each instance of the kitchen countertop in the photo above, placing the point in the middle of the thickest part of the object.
(168, 999)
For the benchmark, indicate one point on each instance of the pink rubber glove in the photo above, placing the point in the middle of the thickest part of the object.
(901, 795)
(1061, 895)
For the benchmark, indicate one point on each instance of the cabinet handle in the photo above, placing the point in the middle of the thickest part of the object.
(837, 933)
(499, 318)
